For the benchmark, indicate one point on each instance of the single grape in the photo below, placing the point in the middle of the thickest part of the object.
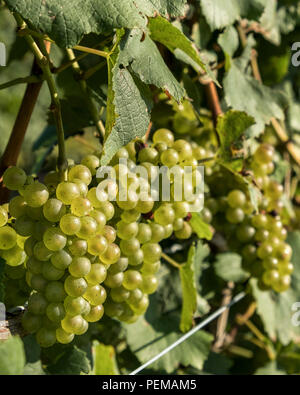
(54, 239)
(46, 337)
(80, 267)
(38, 283)
(142, 306)
(145, 204)
(95, 295)
(17, 207)
(129, 247)
(88, 227)
(164, 215)
(61, 259)
(152, 252)
(149, 284)
(78, 247)
(169, 158)
(181, 209)
(31, 322)
(148, 155)
(157, 232)
(92, 162)
(119, 295)
(131, 216)
(15, 256)
(100, 219)
(55, 292)
(264, 154)
(67, 192)
(127, 231)
(135, 296)
(235, 215)
(14, 178)
(184, 233)
(97, 245)
(8, 238)
(37, 304)
(70, 224)
(95, 314)
(120, 266)
(132, 280)
(184, 149)
(151, 268)
(81, 206)
(53, 210)
(75, 286)
(236, 199)
(55, 312)
(72, 324)
(80, 172)
(63, 337)
(136, 259)
(114, 280)
(50, 272)
(111, 255)
(36, 194)
(97, 274)
(109, 233)
(83, 188)
(144, 233)
(164, 136)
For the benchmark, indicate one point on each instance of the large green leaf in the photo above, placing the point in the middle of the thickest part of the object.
(104, 359)
(231, 129)
(219, 14)
(201, 228)
(275, 310)
(73, 361)
(189, 291)
(66, 22)
(229, 267)
(152, 334)
(12, 357)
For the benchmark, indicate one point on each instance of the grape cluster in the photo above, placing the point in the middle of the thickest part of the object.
(261, 237)
(83, 253)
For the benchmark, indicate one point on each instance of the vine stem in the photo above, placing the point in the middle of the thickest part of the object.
(84, 87)
(170, 260)
(44, 63)
(213, 101)
(93, 51)
(31, 79)
(279, 129)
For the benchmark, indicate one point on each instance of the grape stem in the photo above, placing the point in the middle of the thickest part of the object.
(84, 87)
(31, 79)
(279, 129)
(171, 261)
(93, 51)
(43, 61)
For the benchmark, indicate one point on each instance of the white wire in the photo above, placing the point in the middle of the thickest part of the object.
(202, 324)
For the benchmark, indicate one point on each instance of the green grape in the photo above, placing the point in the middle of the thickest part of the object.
(148, 155)
(129, 201)
(15, 256)
(17, 207)
(88, 228)
(41, 252)
(48, 324)
(84, 328)
(72, 324)
(111, 255)
(213, 205)
(120, 266)
(55, 312)
(164, 136)
(127, 231)
(53, 210)
(264, 154)
(282, 284)
(107, 209)
(75, 286)
(286, 268)
(97, 245)
(135, 296)
(235, 215)
(95, 295)
(37, 304)
(81, 206)
(131, 215)
(109, 233)
(51, 273)
(70, 224)
(119, 295)
(271, 263)
(55, 292)
(262, 235)
(8, 238)
(114, 280)
(61, 259)
(274, 190)
(100, 219)
(149, 284)
(169, 158)
(80, 267)
(270, 276)
(15, 273)
(181, 209)
(245, 233)
(67, 192)
(144, 234)
(14, 178)
(265, 250)
(129, 247)
(260, 221)
(184, 233)
(63, 337)
(145, 205)
(38, 283)
(31, 322)
(136, 259)
(24, 226)
(284, 252)
(178, 224)
(113, 310)
(164, 215)
(97, 274)
(34, 265)
(141, 307)
(80, 172)
(184, 149)
(92, 162)
(46, 337)
(74, 306)
(132, 280)
(3, 216)
(237, 199)
(78, 247)
(95, 314)
(152, 252)
(36, 194)
(93, 198)
(157, 232)
(54, 239)
(151, 268)
(207, 215)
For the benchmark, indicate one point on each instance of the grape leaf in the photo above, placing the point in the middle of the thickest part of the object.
(231, 128)
(275, 310)
(244, 93)
(218, 14)
(72, 361)
(104, 360)
(189, 292)
(228, 266)
(201, 228)
(167, 34)
(270, 369)
(153, 333)
(12, 357)
(66, 22)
